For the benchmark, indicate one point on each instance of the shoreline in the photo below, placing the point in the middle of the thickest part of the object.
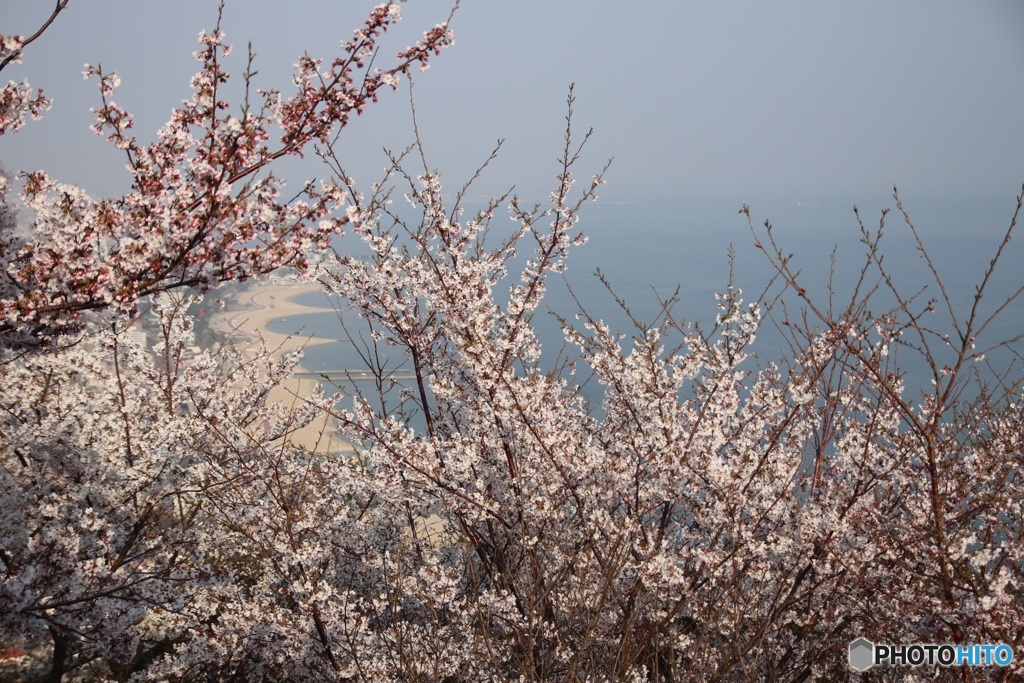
(255, 307)
(243, 322)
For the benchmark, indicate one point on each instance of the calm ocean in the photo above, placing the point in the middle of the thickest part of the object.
(649, 245)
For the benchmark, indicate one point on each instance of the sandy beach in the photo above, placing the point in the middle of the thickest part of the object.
(254, 308)
(245, 322)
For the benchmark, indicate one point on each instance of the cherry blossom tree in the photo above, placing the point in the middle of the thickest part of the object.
(938, 555)
(657, 504)
(113, 551)
(204, 207)
(709, 519)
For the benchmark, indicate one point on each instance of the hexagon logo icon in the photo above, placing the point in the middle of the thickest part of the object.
(862, 654)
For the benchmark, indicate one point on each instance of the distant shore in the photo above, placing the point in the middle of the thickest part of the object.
(246, 321)
(257, 306)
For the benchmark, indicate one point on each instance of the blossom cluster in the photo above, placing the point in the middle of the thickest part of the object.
(204, 207)
(17, 99)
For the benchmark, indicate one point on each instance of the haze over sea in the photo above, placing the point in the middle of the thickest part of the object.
(664, 245)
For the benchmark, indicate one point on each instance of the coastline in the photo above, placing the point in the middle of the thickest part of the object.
(244, 322)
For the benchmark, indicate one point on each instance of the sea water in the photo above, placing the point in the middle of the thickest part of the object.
(649, 249)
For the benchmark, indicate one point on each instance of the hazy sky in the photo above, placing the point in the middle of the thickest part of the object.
(735, 100)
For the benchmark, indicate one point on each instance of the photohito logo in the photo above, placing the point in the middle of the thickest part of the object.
(864, 654)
